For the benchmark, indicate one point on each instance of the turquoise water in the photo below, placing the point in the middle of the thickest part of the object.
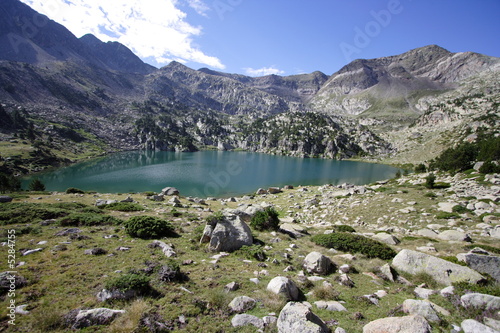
(207, 173)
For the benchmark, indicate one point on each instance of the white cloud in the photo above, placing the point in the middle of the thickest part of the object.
(199, 6)
(263, 71)
(154, 29)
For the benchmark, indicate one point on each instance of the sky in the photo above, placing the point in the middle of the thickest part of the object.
(283, 37)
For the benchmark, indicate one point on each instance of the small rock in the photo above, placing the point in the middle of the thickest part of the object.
(25, 253)
(96, 251)
(284, 286)
(413, 324)
(233, 286)
(245, 319)
(481, 301)
(330, 305)
(242, 304)
(424, 292)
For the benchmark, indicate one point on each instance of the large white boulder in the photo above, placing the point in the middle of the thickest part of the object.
(298, 317)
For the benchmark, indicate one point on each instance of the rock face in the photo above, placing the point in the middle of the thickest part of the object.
(229, 234)
(408, 324)
(297, 317)
(284, 286)
(316, 263)
(294, 230)
(484, 264)
(99, 316)
(441, 270)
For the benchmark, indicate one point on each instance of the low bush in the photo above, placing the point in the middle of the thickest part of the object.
(87, 219)
(454, 260)
(446, 215)
(21, 213)
(252, 252)
(147, 227)
(489, 287)
(347, 242)
(73, 190)
(343, 228)
(124, 207)
(460, 209)
(430, 180)
(130, 281)
(265, 220)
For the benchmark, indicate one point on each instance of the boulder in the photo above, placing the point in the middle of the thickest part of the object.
(242, 304)
(298, 317)
(330, 305)
(115, 294)
(232, 286)
(274, 190)
(426, 309)
(316, 263)
(481, 301)
(473, 326)
(170, 191)
(166, 249)
(294, 230)
(387, 273)
(261, 191)
(386, 238)
(245, 319)
(407, 324)
(446, 206)
(493, 323)
(230, 234)
(484, 264)
(424, 292)
(10, 281)
(284, 286)
(99, 316)
(427, 233)
(454, 235)
(5, 198)
(441, 270)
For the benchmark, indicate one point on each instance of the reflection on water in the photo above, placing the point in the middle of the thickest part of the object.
(207, 173)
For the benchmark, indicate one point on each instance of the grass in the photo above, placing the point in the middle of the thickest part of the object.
(201, 298)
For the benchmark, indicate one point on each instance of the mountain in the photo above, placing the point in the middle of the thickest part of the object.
(391, 86)
(73, 97)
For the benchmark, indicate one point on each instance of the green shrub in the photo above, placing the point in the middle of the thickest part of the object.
(489, 167)
(21, 213)
(252, 252)
(460, 209)
(36, 185)
(352, 243)
(124, 207)
(87, 219)
(148, 227)
(73, 190)
(344, 228)
(214, 218)
(420, 168)
(430, 180)
(9, 183)
(430, 195)
(265, 220)
(446, 215)
(489, 287)
(130, 281)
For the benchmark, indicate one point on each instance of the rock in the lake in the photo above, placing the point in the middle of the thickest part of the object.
(284, 286)
(316, 263)
(441, 270)
(407, 324)
(297, 317)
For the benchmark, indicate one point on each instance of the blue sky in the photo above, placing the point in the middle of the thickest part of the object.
(285, 37)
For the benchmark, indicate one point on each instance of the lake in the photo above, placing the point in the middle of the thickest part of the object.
(206, 173)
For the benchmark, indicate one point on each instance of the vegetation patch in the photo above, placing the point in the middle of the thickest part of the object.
(130, 281)
(148, 227)
(343, 228)
(19, 213)
(73, 190)
(347, 242)
(265, 220)
(124, 207)
(252, 252)
(88, 219)
(488, 248)
(447, 215)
